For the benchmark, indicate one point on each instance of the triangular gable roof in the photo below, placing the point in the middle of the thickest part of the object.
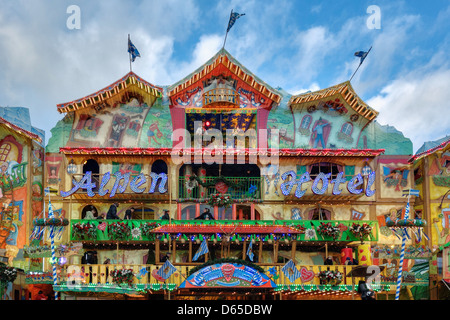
(20, 131)
(430, 147)
(113, 93)
(223, 57)
(346, 90)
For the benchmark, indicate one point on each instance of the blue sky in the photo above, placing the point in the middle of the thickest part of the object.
(295, 45)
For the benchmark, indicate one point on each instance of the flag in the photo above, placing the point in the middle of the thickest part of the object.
(412, 192)
(142, 272)
(233, 17)
(362, 55)
(132, 50)
(296, 214)
(250, 253)
(291, 271)
(166, 270)
(201, 251)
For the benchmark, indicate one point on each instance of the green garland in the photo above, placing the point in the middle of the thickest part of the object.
(84, 231)
(220, 200)
(226, 260)
(51, 222)
(7, 274)
(119, 230)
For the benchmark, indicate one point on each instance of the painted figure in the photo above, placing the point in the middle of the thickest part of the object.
(318, 130)
(151, 133)
(116, 131)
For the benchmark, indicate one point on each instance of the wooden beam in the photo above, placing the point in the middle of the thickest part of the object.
(157, 251)
(190, 251)
(294, 249)
(260, 251)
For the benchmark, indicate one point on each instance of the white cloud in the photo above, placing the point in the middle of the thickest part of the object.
(313, 45)
(312, 87)
(205, 49)
(417, 104)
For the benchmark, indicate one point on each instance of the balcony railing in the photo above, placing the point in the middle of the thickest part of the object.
(239, 188)
(266, 230)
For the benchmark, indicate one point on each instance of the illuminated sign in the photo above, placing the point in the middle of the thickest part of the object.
(120, 184)
(320, 183)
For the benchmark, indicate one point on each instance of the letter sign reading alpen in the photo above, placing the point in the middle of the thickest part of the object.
(120, 184)
(354, 186)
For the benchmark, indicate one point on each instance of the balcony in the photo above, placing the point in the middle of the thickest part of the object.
(240, 230)
(221, 97)
(95, 278)
(238, 188)
(275, 242)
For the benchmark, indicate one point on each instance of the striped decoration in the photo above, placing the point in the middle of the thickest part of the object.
(402, 255)
(53, 260)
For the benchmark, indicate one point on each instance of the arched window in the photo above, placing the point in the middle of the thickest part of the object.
(347, 128)
(306, 122)
(89, 212)
(159, 166)
(318, 214)
(92, 166)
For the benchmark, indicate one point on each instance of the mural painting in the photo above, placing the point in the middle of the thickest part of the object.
(130, 124)
(327, 124)
(156, 129)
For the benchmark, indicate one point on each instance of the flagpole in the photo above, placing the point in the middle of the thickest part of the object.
(359, 65)
(129, 53)
(227, 30)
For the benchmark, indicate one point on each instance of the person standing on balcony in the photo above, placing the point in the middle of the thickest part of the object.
(129, 214)
(112, 212)
(90, 214)
(101, 216)
(206, 215)
(165, 216)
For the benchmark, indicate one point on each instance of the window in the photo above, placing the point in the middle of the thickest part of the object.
(319, 214)
(92, 166)
(324, 167)
(347, 128)
(306, 121)
(159, 166)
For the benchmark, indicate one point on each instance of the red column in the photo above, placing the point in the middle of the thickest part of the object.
(178, 211)
(233, 211)
(252, 211)
(197, 210)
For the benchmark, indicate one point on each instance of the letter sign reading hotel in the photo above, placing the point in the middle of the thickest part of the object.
(135, 184)
(354, 186)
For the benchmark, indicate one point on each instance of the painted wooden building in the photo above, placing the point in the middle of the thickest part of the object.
(21, 192)
(288, 180)
(431, 165)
